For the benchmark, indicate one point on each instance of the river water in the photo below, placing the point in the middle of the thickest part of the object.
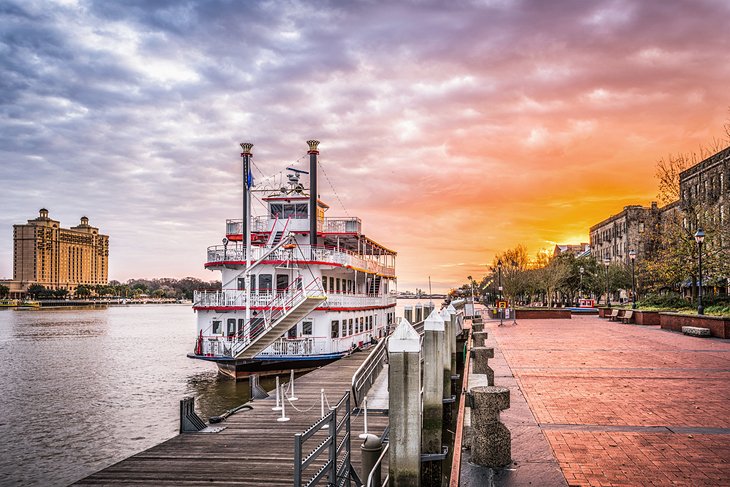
(81, 389)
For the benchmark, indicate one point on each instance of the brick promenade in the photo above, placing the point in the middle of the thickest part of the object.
(625, 404)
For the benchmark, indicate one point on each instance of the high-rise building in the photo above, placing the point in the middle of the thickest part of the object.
(59, 258)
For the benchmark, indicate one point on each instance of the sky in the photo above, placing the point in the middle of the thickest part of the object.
(453, 129)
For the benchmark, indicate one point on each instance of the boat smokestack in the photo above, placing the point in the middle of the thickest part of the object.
(313, 156)
(246, 155)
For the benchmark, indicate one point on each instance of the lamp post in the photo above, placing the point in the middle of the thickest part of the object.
(581, 270)
(473, 303)
(225, 249)
(632, 256)
(606, 263)
(499, 269)
(699, 238)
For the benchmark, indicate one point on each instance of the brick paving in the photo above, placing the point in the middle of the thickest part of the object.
(623, 404)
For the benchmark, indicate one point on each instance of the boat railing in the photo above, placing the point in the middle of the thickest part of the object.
(222, 253)
(368, 372)
(357, 300)
(296, 346)
(342, 225)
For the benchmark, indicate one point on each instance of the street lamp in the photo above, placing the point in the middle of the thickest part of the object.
(632, 256)
(580, 292)
(501, 310)
(699, 238)
(606, 263)
(473, 303)
(225, 249)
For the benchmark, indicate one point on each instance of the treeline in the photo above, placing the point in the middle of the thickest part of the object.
(133, 288)
(547, 280)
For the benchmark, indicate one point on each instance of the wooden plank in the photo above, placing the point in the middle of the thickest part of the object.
(254, 448)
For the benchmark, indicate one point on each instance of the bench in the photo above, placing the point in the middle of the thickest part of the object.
(696, 331)
(613, 316)
(628, 314)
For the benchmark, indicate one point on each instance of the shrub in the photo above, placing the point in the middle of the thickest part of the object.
(669, 301)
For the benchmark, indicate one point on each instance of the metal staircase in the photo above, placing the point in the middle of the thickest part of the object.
(263, 334)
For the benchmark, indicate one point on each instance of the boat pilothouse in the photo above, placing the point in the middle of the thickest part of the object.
(292, 297)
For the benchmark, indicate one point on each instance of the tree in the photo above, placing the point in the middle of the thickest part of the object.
(37, 291)
(82, 291)
(4, 290)
(514, 266)
(550, 275)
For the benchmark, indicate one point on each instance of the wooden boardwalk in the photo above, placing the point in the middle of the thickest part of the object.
(254, 449)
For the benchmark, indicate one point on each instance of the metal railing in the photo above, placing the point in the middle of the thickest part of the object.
(223, 253)
(369, 370)
(338, 467)
(328, 225)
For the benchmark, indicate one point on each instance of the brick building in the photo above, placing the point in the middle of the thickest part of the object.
(58, 258)
(708, 184)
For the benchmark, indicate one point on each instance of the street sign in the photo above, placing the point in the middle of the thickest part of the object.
(502, 304)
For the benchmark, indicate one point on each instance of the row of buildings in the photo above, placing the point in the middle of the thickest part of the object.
(57, 258)
(706, 184)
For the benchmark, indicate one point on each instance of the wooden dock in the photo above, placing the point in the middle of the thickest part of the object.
(254, 449)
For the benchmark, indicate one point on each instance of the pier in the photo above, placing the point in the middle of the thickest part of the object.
(254, 449)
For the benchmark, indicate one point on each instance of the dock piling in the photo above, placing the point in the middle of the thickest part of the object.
(481, 362)
(491, 442)
(404, 375)
(433, 377)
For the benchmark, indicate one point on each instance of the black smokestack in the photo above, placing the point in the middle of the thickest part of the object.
(313, 155)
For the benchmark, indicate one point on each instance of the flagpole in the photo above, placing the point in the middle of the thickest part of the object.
(246, 228)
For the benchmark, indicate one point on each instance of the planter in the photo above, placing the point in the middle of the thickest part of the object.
(719, 325)
(646, 318)
(543, 314)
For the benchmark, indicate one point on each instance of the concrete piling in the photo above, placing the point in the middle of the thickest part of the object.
(481, 362)
(480, 338)
(491, 442)
(433, 377)
(447, 353)
(419, 314)
(404, 376)
(408, 314)
(477, 326)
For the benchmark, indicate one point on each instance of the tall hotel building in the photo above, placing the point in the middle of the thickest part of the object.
(59, 258)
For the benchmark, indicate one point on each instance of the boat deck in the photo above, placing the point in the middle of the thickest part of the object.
(254, 449)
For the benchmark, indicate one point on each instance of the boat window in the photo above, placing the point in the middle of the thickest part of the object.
(362, 324)
(324, 284)
(332, 284)
(241, 283)
(276, 209)
(337, 284)
(282, 282)
(216, 327)
(335, 329)
(292, 333)
(231, 327)
(350, 326)
(240, 326)
(306, 328)
(265, 283)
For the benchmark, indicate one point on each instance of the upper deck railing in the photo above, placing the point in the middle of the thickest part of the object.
(221, 253)
(328, 225)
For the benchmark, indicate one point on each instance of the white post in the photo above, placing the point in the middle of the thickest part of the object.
(291, 383)
(283, 409)
(321, 398)
(278, 397)
(364, 435)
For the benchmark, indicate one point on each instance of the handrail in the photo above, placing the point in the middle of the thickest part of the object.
(370, 368)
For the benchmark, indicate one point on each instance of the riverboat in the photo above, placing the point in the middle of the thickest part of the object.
(298, 289)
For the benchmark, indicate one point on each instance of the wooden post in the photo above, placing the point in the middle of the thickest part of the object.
(404, 376)
(433, 387)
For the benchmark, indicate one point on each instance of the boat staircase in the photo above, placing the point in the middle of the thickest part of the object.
(277, 232)
(374, 288)
(264, 331)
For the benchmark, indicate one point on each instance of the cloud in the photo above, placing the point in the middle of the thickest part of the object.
(453, 129)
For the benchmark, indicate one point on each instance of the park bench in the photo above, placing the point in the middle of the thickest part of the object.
(613, 316)
(628, 314)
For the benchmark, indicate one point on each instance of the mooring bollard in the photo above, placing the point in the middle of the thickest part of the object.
(371, 450)
(491, 441)
(481, 362)
(404, 378)
(480, 338)
(475, 327)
